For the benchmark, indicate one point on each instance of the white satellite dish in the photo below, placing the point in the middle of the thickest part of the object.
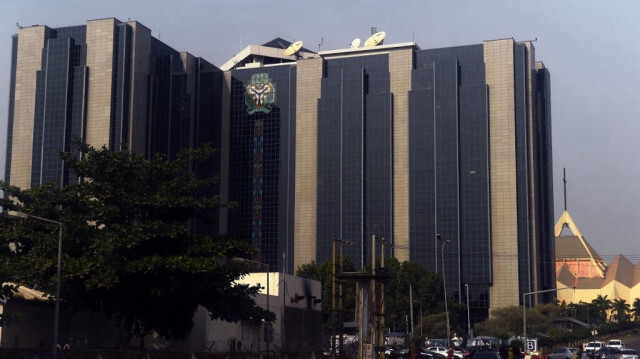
(355, 43)
(375, 39)
(293, 48)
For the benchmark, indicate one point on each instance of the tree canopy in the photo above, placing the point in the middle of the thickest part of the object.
(129, 250)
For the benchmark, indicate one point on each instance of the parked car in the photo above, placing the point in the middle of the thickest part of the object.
(438, 349)
(563, 353)
(606, 353)
(615, 343)
(485, 355)
(594, 347)
(427, 354)
(461, 352)
(626, 354)
(397, 352)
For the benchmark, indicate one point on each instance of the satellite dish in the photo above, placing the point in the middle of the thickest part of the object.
(375, 39)
(293, 48)
(355, 43)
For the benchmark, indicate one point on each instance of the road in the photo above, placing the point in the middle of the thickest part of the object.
(631, 341)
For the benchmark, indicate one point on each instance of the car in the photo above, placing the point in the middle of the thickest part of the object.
(397, 352)
(606, 353)
(438, 349)
(461, 352)
(626, 354)
(563, 353)
(427, 354)
(486, 355)
(594, 347)
(615, 343)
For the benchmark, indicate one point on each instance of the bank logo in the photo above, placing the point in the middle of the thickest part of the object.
(260, 94)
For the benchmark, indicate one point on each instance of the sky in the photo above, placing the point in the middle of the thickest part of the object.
(591, 48)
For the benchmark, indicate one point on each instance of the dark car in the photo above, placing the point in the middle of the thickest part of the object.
(485, 355)
(397, 352)
(429, 354)
(607, 353)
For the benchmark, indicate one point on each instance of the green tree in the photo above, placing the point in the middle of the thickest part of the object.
(128, 250)
(601, 304)
(620, 310)
(507, 322)
(636, 309)
(324, 273)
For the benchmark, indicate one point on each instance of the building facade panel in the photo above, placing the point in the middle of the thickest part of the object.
(308, 91)
(498, 56)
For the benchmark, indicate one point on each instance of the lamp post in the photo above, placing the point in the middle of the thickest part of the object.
(444, 284)
(410, 302)
(244, 260)
(56, 312)
(469, 335)
(524, 309)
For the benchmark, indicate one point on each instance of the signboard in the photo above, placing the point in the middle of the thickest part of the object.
(532, 345)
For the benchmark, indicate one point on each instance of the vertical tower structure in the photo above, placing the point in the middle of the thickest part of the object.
(109, 83)
(405, 144)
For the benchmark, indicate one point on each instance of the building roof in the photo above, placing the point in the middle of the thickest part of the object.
(620, 270)
(280, 43)
(575, 246)
(571, 247)
(29, 293)
(270, 53)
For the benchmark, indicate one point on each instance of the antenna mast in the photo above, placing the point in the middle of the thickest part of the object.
(564, 179)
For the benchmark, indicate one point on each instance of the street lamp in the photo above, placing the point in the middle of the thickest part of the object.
(56, 312)
(410, 303)
(524, 309)
(444, 284)
(244, 260)
(466, 286)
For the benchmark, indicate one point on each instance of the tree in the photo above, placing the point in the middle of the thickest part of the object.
(128, 250)
(601, 304)
(506, 322)
(324, 273)
(620, 310)
(636, 309)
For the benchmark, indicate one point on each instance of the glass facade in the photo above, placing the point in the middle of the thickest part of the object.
(544, 182)
(261, 173)
(355, 156)
(175, 98)
(448, 170)
(60, 94)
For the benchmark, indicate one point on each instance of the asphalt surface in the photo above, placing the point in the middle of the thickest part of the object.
(630, 340)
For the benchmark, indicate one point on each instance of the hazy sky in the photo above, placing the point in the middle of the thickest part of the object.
(592, 49)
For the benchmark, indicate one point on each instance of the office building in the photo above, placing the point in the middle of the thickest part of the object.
(404, 144)
(394, 141)
(109, 83)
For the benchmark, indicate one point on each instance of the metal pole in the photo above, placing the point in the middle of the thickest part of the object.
(56, 313)
(466, 286)
(411, 308)
(333, 302)
(268, 324)
(282, 330)
(444, 284)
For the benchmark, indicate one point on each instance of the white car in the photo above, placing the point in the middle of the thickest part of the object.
(616, 343)
(594, 347)
(444, 351)
(562, 353)
(438, 349)
(627, 354)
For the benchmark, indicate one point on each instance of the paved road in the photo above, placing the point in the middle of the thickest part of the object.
(631, 341)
